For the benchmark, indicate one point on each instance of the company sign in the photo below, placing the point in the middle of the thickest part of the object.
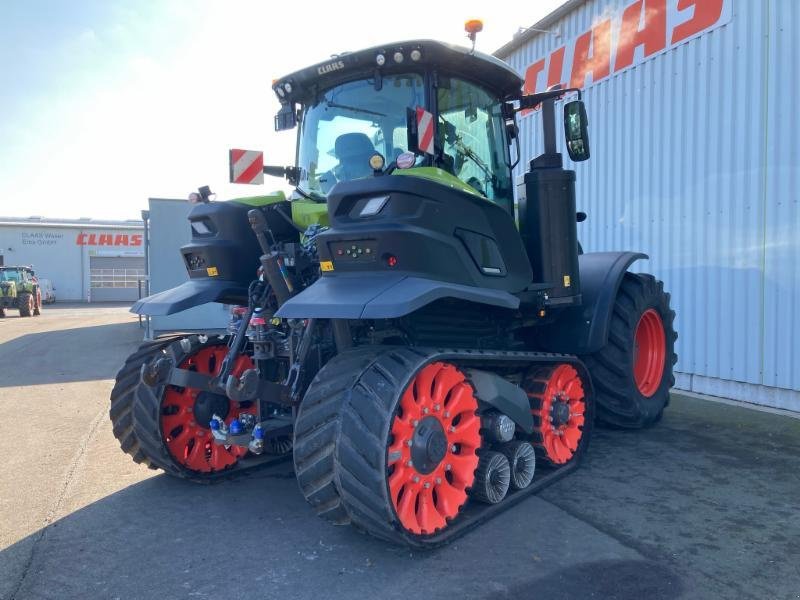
(625, 38)
(108, 239)
(41, 238)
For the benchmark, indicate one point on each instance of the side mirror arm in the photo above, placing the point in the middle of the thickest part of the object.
(292, 174)
(534, 100)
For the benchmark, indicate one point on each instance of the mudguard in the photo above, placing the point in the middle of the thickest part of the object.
(583, 329)
(191, 293)
(382, 296)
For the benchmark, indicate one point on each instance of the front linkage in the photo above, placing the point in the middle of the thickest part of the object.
(280, 353)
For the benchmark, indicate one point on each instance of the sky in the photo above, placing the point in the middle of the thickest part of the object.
(107, 103)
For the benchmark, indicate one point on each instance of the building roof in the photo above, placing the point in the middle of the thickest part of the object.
(85, 223)
(538, 28)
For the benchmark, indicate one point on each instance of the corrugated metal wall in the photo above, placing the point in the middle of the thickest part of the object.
(695, 161)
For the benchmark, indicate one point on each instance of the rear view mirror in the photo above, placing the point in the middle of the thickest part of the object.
(286, 118)
(576, 130)
(411, 131)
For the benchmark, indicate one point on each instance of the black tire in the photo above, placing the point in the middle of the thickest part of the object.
(2, 313)
(25, 304)
(341, 438)
(123, 397)
(620, 402)
(136, 407)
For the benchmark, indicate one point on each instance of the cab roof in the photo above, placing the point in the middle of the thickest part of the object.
(481, 68)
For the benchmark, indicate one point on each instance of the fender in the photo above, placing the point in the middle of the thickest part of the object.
(583, 329)
(382, 296)
(191, 293)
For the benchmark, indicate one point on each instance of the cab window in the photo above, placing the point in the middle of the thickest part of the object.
(471, 130)
(351, 122)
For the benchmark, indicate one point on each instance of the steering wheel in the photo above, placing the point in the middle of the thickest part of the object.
(327, 180)
(476, 184)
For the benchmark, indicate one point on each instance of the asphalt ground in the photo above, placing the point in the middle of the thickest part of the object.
(705, 505)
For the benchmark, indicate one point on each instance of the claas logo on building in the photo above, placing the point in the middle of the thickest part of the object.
(623, 39)
(108, 239)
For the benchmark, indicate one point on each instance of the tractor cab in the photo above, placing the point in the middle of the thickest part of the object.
(362, 104)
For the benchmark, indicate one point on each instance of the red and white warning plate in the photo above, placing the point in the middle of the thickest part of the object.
(246, 166)
(424, 130)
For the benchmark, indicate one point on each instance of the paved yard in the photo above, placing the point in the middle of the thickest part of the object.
(706, 505)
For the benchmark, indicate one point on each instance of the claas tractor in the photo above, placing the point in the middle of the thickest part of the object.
(19, 290)
(427, 352)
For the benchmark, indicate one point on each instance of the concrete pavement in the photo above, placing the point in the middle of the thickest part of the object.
(703, 506)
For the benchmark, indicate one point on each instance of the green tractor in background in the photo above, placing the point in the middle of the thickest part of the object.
(428, 352)
(19, 289)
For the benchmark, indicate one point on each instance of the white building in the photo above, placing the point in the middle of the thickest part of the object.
(695, 161)
(86, 259)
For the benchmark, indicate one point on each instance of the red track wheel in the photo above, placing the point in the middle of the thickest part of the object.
(432, 454)
(186, 412)
(559, 407)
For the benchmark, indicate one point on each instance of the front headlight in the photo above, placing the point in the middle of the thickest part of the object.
(373, 206)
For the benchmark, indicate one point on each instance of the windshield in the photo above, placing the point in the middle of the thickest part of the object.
(472, 127)
(350, 123)
(9, 276)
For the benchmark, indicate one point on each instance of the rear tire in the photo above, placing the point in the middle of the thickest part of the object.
(632, 373)
(25, 304)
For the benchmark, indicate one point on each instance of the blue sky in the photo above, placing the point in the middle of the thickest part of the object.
(105, 104)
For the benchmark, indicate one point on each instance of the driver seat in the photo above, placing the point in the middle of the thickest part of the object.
(353, 151)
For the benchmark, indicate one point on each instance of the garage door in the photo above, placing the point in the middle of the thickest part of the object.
(115, 278)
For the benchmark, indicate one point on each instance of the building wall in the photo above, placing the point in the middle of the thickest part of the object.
(695, 161)
(62, 253)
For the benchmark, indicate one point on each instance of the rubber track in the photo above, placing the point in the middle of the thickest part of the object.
(123, 397)
(342, 429)
(135, 411)
(619, 402)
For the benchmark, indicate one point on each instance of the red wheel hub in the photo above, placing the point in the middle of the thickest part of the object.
(561, 410)
(650, 352)
(189, 440)
(432, 454)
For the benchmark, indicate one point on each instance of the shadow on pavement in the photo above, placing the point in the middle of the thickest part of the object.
(702, 506)
(93, 353)
(254, 537)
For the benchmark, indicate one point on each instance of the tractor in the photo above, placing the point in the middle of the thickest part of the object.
(20, 290)
(426, 351)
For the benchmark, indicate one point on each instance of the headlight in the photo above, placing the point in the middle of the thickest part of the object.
(373, 206)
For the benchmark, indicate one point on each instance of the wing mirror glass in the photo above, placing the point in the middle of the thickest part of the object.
(576, 127)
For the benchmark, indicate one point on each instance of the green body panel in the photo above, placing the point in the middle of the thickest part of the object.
(439, 176)
(307, 212)
(304, 212)
(8, 294)
(261, 200)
